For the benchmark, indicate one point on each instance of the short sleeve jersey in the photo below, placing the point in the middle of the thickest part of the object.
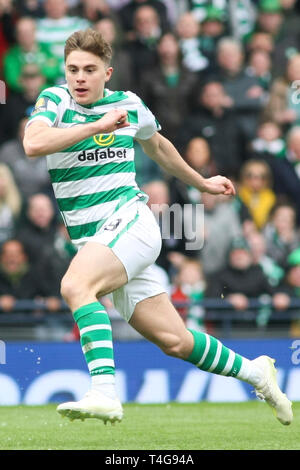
(95, 177)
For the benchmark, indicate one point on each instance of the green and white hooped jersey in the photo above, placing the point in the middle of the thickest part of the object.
(95, 178)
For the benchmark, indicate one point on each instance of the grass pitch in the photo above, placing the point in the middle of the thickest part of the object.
(202, 426)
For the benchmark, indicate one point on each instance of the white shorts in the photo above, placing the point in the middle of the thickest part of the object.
(134, 236)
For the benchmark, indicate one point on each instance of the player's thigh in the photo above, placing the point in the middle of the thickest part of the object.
(158, 321)
(97, 268)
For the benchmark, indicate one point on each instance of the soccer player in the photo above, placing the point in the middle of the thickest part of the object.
(87, 133)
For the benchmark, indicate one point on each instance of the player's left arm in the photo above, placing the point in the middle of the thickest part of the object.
(163, 152)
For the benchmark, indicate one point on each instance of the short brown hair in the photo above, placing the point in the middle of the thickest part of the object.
(89, 40)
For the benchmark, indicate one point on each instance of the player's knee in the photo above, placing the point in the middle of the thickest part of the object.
(71, 288)
(175, 347)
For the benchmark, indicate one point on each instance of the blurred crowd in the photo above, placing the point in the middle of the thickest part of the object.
(223, 79)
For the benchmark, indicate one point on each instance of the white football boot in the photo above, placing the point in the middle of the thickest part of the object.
(267, 389)
(93, 405)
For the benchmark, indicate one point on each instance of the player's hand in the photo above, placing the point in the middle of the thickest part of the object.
(111, 121)
(219, 185)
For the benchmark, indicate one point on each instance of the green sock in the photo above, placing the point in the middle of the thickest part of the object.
(96, 338)
(211, 355)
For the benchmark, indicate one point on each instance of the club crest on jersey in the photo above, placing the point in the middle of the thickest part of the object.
(104, 140)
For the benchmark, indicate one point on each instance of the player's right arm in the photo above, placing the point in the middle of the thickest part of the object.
(41, 139)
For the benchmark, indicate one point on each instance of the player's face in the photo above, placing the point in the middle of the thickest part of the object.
(86, 75)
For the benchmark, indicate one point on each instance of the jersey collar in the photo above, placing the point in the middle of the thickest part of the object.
(108, 98)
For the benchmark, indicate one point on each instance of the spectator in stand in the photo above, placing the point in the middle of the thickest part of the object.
(291, 15)
(127, 15)
(172, 227)
(269, 142)
(240, 16)
(32, 8)
(59, 256)
(259, 66)
(282, 105)
(188, 31)
(168, 87)
(199, 9)
(10, 203)
(175, 9)
(280, 156)
(122, 78)
(260, 41)
(198, 156)
(290, 288)
(243, 214)
(56, 27)
(221, 226)
(241, 279)
(116, 4)
(271, 20)
(31, 174)
(142, 49)
(293, 155)
(286, 178)
(258, 246)
(255, 190)
(7, 28)
(189, 287)
(213, 28)
(281, 234)
(21, 104)
(38, 231)
(246, 93)
(214, 119)
(20, 280)
(28, 51)
(222, 219)
(92, 10)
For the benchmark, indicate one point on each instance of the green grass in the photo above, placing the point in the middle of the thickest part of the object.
(152, 427)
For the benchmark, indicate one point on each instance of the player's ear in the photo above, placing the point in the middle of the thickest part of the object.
(109, 72)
